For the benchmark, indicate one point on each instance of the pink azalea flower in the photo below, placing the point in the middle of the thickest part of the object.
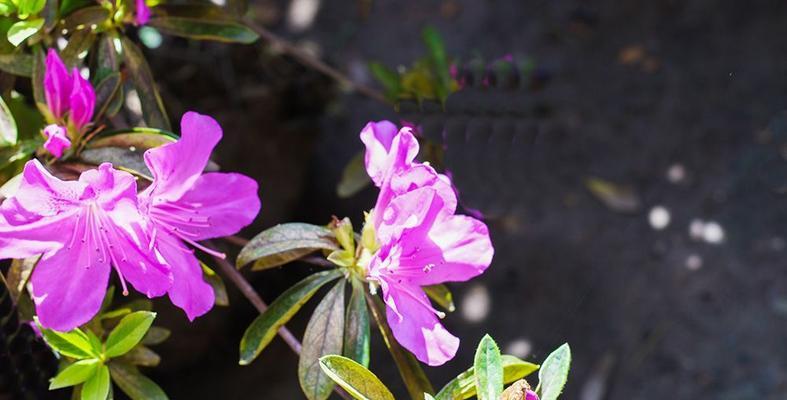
(56, 140)
(183, 206)
(57, 84)
(421, 241)
(143, 13)
(82, 101)
(531, 395)
(82, 228)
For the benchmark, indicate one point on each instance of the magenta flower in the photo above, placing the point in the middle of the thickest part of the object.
(143, 13)
(81, 228)
(56, 140)
(183, 206)
(531, 395)
(421, 241)
(82, 101)
(57, 84)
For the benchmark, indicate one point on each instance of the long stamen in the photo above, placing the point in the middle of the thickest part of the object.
(76, 229)
(406, 290)
(113, 257)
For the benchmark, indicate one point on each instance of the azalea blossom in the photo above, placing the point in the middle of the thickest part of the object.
(68, 92)
(183, 206)
(81, 228)
(421, 242)
(82, 101)
(143, 13)
(56, 140)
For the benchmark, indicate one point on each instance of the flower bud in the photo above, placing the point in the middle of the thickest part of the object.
(56, 140)
(82, 101)
(57, 84)
(142, 14)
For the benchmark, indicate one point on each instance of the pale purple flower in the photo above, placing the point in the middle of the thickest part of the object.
(82, 101)
(183, 205)
(56, 140)
(57, 84)
(531, 395)
(143, 13)
(421, 241)
(81, 228)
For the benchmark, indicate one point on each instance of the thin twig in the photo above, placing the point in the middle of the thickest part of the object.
(310, 61)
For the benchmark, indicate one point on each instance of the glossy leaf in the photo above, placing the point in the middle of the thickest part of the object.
(323, 336)
(97, 387)
(488, 368)
(463, 386)
(30, 7)
(134, 384)
(358, 381)
(153, 111)
(354, 177)
(156, 335)
(106, 91)
(441, 295)
(85, 17)
(260, 333)
(126, 158)
(20, 31)
(75, 374)
(74, 344)
(142, 356)
(79, 42)
(409, 368)
(205, 29)
(284, 243)
(356, 331)
(219, 289)
(129, 331)
(20, 64)
(139, 138)
(106, 58)
(8, 131)
(554, 373)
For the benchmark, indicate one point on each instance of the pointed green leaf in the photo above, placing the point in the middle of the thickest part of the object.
(74, 344)
(75, 374)
(134, 384)
(219, 289)
(410, 370)
(106, 90)
(358, 381)
(153, 111)
(488, 368)
(156, 335)
(142, 356)
(284, 243)
(205, 28)
(20, 31)
(139, 138)
(441, 295)
(356, 331)
(20, 64)
(85, 17)
(388, 78)
(260, 333)
(37, 79)
(97, 387)
(107, 61)
(79, 42)
(463, 386)
(129, 331)
(323, 336)
(30, 7)
(354, 177)
(554, 373)
(8, 131)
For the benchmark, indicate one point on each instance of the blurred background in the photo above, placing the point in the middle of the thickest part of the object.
(634, 185)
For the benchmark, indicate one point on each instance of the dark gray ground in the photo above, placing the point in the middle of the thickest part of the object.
(697, 89)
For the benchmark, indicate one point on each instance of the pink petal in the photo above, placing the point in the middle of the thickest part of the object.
(68, 287)
(57, 84)
(219, 204)
(111, 187)
(45, 235)
(82, 101)
(177, 166)
(387, 150)
(42, 194)
(412, 178)
(415, 209)
(415, 325)
(143, 13)
(56, 141)
(189, 291)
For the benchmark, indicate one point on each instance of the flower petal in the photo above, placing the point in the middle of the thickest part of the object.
(56, 141)
(142, 14)
(111, 187)
(69, 286)
(415, 325)
(42, 194)
(82, 101)
(57, 84)
(189, 291)
(416, 209)
(176, 166)
(410, 179)
(34, 238)
(387, 150)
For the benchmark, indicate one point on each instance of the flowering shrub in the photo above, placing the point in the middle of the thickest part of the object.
(79, 200)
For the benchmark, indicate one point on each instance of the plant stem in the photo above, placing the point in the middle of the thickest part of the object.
(310, 61)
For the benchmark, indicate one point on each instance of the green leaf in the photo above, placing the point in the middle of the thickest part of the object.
(37, 80)
(441, 295)
(79, 42)
(153, 111)
(488, 368)
(554, 373)
(129, 159)
(358, 381)
(219, 289)
(463, 386)
(106, 90)
(142, 356)
(265, 326)
(139, 138)
(20, 31)
(354, 177)
(97, 387)
(284, 243)
(129, 331)
(75, 374)
(410, 370)
(8, 131)
(439, 59)
(30, 7)
(388, 78)
(323, 336)
(156, 335)
(205, 29)
(20, 64)
(356, 331)
(68, 6)
(86, 17)
(134, 384)
(74, 344)
(106, 58)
